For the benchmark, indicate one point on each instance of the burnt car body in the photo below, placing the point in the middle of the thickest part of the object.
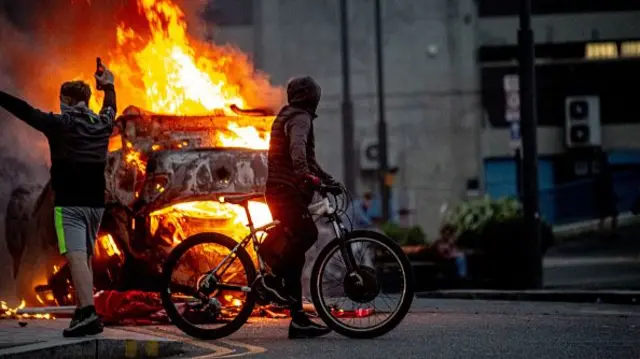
(156, 161)
(183, 161)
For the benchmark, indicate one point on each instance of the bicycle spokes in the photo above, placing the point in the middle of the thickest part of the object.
(202, 296)
(361, 297)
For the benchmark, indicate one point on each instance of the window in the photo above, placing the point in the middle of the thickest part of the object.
(601, 50)
(612, 50)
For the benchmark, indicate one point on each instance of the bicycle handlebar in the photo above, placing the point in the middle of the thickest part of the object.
(326, 189)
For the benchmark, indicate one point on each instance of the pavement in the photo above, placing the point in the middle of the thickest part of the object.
(43, 338)
(434, 329)
(595, 262)
(582, 267)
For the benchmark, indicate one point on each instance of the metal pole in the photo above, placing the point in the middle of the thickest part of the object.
(517, 157)
(47, 310)
(382, 125)
(533, 276)
(258, 29)
(347, 106)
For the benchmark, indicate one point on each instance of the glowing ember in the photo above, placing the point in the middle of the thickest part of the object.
(12, 313)
(107, 245)
(133, 158)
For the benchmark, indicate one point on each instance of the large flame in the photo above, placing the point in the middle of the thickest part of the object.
(158, 67)
(175, 77)
(161, 69)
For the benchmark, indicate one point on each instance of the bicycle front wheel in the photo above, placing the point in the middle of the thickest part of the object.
(227, 302)
(381, 287)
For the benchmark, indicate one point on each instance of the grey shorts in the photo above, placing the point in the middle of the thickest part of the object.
(77, 228)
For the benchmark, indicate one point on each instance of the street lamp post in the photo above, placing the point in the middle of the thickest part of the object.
(382, 125)
(533, 277)
(347, 105)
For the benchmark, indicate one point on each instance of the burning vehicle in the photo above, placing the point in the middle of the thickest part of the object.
(191, 139)
(164, 175)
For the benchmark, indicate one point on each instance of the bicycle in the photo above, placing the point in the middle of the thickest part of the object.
(210, 289)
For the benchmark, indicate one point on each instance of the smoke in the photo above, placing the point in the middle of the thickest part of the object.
(23, 151)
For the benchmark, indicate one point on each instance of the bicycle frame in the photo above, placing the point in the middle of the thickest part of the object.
(340, 232)
(338, 227)
(251, 237)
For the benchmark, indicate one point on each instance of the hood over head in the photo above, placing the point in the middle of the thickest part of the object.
(304, 92)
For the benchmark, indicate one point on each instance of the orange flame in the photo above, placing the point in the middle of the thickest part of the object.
(160, 68)
(167, 72)
(233, 216)
(247, 137)
(12, 313)
(107, 245)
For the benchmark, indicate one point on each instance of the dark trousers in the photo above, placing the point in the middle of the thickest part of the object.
(298, 229)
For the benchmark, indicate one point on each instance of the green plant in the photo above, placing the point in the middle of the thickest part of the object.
(405, 236)
(472, 216)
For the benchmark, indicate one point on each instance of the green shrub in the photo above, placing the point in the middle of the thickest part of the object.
(405, 236)
(470, 219)
(473, 215)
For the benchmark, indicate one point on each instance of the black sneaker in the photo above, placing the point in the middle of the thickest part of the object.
(87, 323)
(76, 318)
(276, 289)
(304, 328)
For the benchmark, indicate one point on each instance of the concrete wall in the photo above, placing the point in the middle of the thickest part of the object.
(432, 103)
(562, 28)
(433, 107)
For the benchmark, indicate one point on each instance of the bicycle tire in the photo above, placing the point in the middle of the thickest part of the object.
(172, 312)
(403, 308)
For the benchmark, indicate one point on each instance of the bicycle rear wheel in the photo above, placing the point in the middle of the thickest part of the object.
(380, 278)
(228, 302)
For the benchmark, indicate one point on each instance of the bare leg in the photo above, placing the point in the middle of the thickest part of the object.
(82, 277)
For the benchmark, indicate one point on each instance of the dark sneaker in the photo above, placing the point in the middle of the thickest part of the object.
(87, 322)
(76, 318)
(275, 288)
(305, 328)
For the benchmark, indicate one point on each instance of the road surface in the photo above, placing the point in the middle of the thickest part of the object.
(453, 329)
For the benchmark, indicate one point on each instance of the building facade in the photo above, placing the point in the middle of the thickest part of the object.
(444, 63)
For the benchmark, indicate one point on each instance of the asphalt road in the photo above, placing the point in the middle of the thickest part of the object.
(453, 329)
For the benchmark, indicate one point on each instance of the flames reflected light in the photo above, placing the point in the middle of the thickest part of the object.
(164, 71)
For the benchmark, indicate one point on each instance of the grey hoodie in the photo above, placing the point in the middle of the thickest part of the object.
(78, 142)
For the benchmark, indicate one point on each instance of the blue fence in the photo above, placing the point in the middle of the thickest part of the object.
(568, 202)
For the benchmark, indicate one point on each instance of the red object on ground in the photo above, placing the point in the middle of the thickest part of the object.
(357, 313)
(129, 308)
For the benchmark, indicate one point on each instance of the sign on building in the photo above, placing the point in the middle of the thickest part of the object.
(511, 86)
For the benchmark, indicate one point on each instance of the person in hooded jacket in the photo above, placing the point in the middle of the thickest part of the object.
(293, 176)
(78, 142)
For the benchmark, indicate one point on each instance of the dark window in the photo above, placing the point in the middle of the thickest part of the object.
(488, 8)
(596, 50)
(229, 12)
